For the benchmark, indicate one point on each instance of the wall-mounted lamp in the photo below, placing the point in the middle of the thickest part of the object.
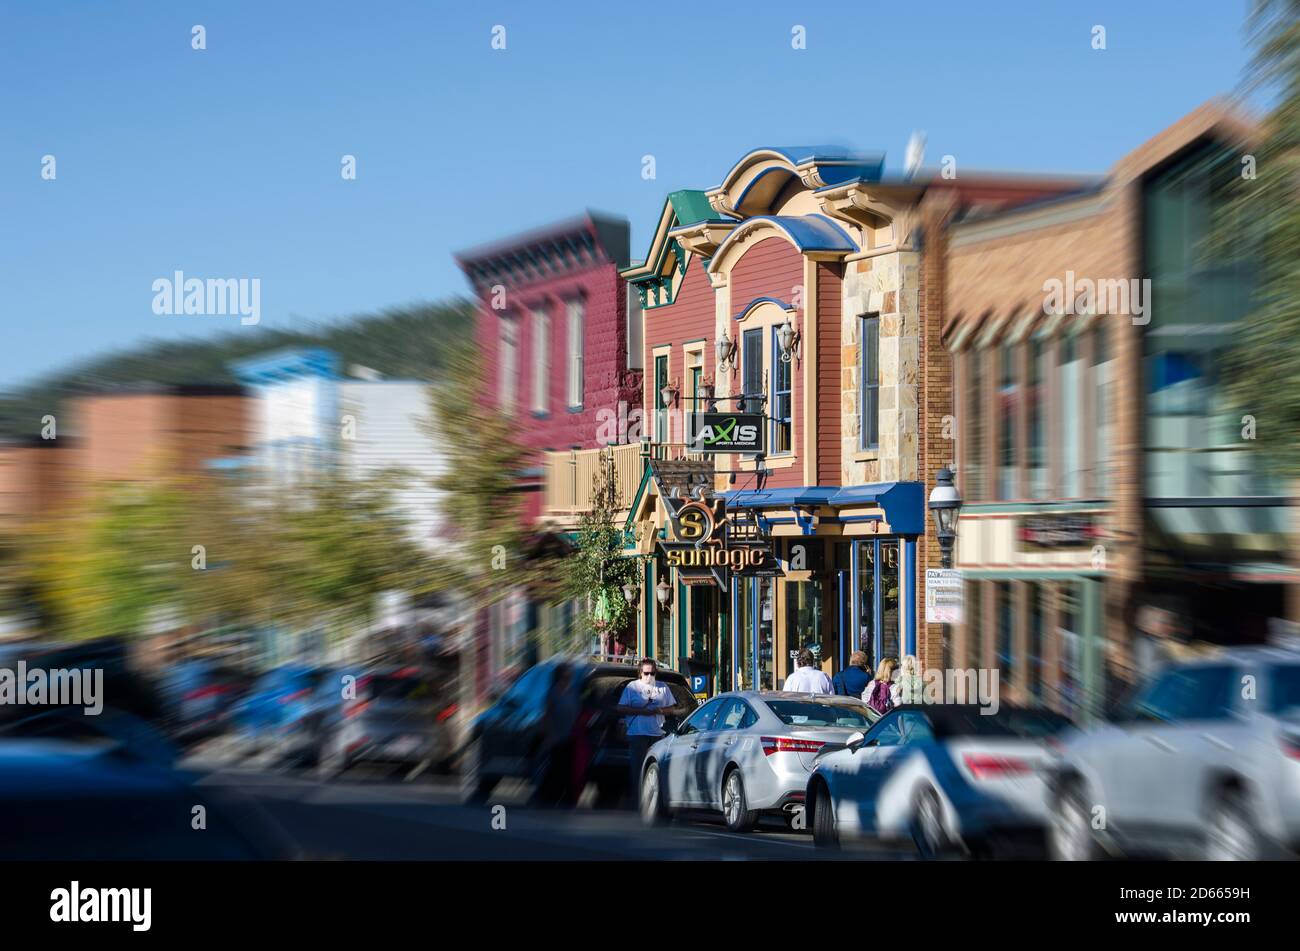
(726, 350)
(664, 592)
(630, 592)
(669, 394)
(787, 338)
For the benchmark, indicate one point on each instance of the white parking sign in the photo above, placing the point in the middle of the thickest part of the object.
(943, 596)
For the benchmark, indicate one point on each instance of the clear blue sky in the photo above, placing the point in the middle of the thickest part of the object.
(225, 162)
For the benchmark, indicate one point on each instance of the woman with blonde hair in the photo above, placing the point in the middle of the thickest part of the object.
(877, 692)
(907, 686)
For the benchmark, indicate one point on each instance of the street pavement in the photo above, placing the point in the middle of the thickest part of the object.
(370, 816)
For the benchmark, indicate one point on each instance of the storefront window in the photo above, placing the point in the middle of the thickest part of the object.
(1069, 674)
(974, 613)
(867, 599)
(889, 577)
(766, 617)
(1006, 631)
(744, 634)
(1035, 669)
(803, 614)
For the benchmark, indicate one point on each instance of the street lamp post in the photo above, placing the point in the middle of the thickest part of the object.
(945, 506)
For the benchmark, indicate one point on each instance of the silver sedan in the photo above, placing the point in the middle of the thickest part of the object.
(746, 753)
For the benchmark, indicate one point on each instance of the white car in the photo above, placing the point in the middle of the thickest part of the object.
(745, 753)
(951, 778)
(1205, 763)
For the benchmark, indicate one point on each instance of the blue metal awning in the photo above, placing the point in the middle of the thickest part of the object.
(902, 502)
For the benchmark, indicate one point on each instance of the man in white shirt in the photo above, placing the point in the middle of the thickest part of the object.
(807, 678)
(644, 702)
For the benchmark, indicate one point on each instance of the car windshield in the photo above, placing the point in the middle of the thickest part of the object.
(812, 713)
(398, 688)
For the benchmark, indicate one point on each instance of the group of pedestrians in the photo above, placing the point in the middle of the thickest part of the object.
(894, 684)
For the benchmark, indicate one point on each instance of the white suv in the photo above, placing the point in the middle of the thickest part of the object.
(1205, 763)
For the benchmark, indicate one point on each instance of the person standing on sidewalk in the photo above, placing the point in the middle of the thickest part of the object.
(806, 677)
(644, 702)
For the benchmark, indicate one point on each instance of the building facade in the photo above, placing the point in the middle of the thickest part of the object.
(561, 352)
(1104, 470)
(805, 291)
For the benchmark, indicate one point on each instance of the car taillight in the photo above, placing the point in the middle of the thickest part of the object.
(202, 692)
(447, 714)
(1290, 746)
(988, 766)
(784, 744)
(354, 709)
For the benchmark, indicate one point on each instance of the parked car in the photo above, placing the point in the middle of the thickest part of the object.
(745, 753)
(950, 778)
(199, 696)
(396, 717)
(283, 711)
(1205, 763)
(505, 740)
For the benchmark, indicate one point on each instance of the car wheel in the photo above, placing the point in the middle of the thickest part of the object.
(928, 831)
(654, 811)
(1230, 834)
(1070, 837)
(824, 834)
(475, 785)
(735, 808)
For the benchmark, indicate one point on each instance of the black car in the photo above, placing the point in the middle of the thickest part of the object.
(506, 739)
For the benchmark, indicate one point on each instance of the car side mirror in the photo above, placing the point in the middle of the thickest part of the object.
(856, 740)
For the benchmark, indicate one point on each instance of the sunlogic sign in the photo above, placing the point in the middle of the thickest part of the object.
(728, 432)
(699, 546)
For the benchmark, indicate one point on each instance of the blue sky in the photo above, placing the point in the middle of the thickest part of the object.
(226, 162)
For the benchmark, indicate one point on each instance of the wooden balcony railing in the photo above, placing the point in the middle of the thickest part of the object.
(571, 476)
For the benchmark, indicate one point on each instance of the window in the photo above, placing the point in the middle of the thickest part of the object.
(973, 464)
(661, 411)
(541, 360)
(974, 625)
(509, 362)
(889, 613)
(1006, 630)
(1104, 374)
(694, 380)
(732, 716)
(1035, 594)
(781, 375)
(1068, 419)
(812, 713)
(702, 719)
(1037, 455)
(574, 331)
(1007, 399)
(869, 395)
(752, 359)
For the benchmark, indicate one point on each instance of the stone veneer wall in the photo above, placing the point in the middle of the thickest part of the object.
(887, 285)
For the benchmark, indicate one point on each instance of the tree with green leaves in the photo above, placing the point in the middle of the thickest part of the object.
(598, 569)
(1266, 364)
(491, 549)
